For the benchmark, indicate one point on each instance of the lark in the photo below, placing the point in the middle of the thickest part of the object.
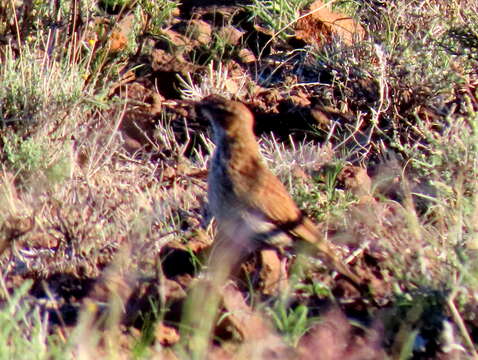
(250, 204)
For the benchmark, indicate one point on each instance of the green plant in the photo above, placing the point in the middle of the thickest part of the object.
(116, 5)
(23, 155)
(24, 329)
(349, 7)
(33, 88)
(291, 322)
(322, 199)
(158, 12)
(314, 289)
(277, 15)
(30, 157)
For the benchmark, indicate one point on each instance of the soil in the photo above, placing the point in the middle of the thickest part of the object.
(295, 112)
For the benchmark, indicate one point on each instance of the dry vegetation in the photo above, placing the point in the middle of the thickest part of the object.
(367, 110)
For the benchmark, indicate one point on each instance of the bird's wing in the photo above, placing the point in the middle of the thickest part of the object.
(270, 197)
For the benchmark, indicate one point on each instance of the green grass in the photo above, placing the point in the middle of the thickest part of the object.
(24, 329)
(277, 16)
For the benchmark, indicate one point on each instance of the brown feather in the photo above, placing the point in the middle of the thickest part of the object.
(240, 182)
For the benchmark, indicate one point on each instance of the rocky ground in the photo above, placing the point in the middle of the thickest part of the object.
(122, 249)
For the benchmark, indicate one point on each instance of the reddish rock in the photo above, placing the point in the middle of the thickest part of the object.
(230, 35)
(166, 335)
(200, 31)
(322, 24)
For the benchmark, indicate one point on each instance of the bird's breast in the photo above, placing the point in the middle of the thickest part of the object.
(220, 187)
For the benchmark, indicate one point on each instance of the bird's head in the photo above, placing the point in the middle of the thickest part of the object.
(230, 116)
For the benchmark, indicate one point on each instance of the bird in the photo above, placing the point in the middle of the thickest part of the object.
(244, 196)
